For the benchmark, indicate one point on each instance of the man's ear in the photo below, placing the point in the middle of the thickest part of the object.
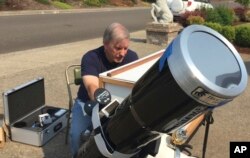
(105, 44)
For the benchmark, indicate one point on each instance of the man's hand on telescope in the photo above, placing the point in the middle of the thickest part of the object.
(88, 107)
(101, 96)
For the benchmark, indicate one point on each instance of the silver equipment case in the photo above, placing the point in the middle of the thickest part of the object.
(29, 120)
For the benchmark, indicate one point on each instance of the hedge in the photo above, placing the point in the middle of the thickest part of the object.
(242, 36)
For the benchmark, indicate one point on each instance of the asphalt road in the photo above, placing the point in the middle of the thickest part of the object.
(22, 32)
(35, 29)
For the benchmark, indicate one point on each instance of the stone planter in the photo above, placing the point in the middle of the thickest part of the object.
(162, 33)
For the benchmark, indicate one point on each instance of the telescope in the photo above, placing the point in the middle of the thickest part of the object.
(198, 72)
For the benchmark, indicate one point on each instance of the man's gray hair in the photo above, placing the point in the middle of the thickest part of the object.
(115, 31)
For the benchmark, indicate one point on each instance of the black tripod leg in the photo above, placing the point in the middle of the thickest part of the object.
(208, 120)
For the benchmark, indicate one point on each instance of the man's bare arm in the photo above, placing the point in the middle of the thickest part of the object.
(91, 83)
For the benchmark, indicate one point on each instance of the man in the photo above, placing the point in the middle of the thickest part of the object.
(112, 54)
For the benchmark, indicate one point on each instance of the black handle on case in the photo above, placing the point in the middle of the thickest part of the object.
(58, 127)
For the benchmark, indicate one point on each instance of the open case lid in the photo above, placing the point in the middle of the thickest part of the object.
(23, 99)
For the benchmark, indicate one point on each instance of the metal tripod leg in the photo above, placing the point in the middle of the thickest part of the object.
(208, 120)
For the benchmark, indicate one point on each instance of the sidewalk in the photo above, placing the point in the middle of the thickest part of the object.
(231, 121)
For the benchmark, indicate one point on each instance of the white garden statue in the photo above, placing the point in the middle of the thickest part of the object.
(161, 12)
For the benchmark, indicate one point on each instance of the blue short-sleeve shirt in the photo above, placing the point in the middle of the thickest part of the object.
(95, 62)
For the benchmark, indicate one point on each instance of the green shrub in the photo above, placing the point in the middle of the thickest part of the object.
(195, 20)
(242, 36)
(211, 15)
(226, 14)
(184, 16)
(103, 1)
(61, 5)
(96, 3)
(2, 2)
(217, 27)
(228, 32)
(222, 15)
(44, 1)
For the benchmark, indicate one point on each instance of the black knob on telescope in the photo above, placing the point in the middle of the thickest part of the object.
(88, 107)
(102, 96)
